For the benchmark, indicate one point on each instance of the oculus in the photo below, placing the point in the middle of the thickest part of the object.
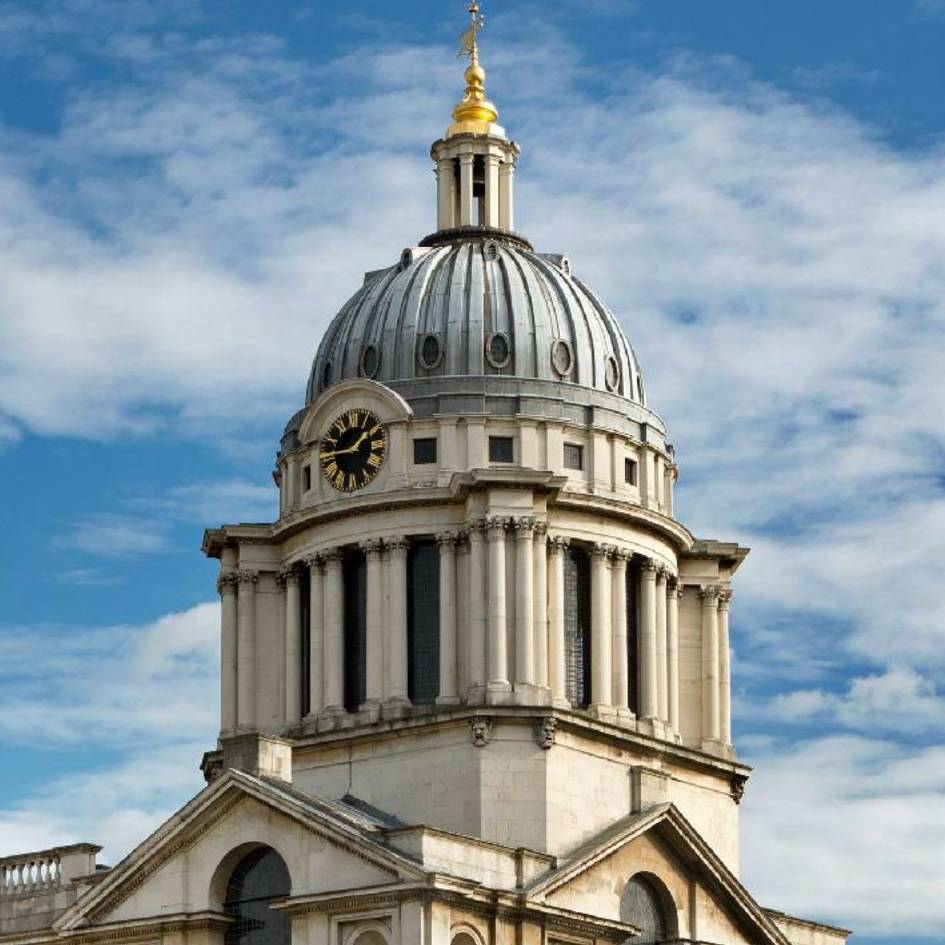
(499, 350)
(353, 450)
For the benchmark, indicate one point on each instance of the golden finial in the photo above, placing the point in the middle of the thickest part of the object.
(475, 113)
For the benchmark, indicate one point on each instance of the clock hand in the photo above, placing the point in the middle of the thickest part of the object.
(350, 449)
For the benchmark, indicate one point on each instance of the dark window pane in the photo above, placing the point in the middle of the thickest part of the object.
(355, 619)
(633, 637)
(500, 449)
(577, 627)
(423, 622)
(573, 456)
(306, 588)
(630, 472)
(258, 879)
(306, 478)
(424, 451)
(640, 906)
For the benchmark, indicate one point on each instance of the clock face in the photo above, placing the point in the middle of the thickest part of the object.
(353, 450)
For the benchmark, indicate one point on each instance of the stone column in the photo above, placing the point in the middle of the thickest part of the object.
(498, 646)
(476, 633)
(246, 651)
(226, 586)
(316, 635)
(446, 193)
(649, 700)
(662, 650)
(506, 195)
(601, 639)
(374, 624)
(448, 694)
(725, 669)
(710, 663)
(291, 580)
(491, 215)
(466, 199)
(397, 622)
(524, 601)
(621, 693)
(540, 584)
(673, 593)
(556, 654)
(334, 633)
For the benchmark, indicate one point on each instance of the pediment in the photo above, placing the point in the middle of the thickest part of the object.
(183, 868)
(703, 900)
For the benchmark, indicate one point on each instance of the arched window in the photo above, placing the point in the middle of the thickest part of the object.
(641, 905)
(423, 622)
(354, 571)
(258, 880)
(577, 627)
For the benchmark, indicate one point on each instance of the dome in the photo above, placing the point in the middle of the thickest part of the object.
(477, 304)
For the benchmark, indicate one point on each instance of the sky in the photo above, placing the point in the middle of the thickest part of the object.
(189, 191)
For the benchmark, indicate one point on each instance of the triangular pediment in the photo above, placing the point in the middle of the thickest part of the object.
(183, 867)
(705, 900)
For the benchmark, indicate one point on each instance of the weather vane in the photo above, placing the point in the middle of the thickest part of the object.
(469, 43)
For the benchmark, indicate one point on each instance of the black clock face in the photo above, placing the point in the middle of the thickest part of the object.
(353, 450)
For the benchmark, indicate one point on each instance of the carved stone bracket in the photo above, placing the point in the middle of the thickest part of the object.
(738, 787)
(545, 729)
(480, 727)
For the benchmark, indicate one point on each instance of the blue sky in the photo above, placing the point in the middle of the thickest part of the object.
(189, 191)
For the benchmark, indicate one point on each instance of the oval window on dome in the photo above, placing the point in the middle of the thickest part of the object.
(370, 361)
(562, 358)
(491, 251)
(429, 352)
(406, 259)
(327, 371)
(611, 373)
(499, 349)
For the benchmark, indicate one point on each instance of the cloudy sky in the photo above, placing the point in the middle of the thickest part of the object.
(190, 190)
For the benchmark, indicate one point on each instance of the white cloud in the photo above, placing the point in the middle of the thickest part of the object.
(113, 535)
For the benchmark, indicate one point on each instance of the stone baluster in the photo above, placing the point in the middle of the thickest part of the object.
(621, 684)
(556, 608)
(397, 694)
(246, 650)
(725, 669)
(291, 580)
(662, 649)
(540, 597)
(316, 634)
(649, 703)
(524, 529)
(673, 594)
(476, 634)
(447, 542)
(334, 633)
(227, 587)
(498, 655)
(601, 637)
(374, 624)
(711, 722)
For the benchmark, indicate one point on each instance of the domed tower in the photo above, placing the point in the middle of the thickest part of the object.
(477, 610)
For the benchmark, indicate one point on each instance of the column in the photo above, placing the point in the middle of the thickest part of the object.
(556, 655)
(601, 642)
(710, 663)
(649, 704)
(316, 634)
(621, 692)
(491, 215)
(226, 586)
(290, 578)
(506, 195)
(466, 199)
(497, 645)
(725, 669)
(448, 694)
(334, 633)
(524, 601)
(246, 651)
(374, 624)
(446, 190)
(662, 683)
(540, 596)
(397, 622)
(476, 634)
(673, 593)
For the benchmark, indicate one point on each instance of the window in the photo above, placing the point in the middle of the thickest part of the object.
(640, 905)
(577, 627)
(354, 571)
(423, 622)
(306, 478)
(573, 456)
(501, 449)
(258, 879)
(630, 472)
(424, 451)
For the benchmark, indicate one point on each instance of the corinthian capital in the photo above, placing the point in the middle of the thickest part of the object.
(498, 526)
(600, 550)
(396, 543)
(373, 546)
(313, 561)
(559, 543)
(725, 599)
(709, 594)
(227, 580)
(289, 576)
(524, 527)
(246, 577)
(447, 539)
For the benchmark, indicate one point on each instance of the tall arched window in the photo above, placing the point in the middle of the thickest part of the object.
(641, 905)
(354, 570)
(423, 622)
(577, 627)
(258, 879)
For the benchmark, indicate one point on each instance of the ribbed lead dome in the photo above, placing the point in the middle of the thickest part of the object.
(477, 305)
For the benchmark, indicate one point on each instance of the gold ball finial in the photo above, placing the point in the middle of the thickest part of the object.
(475, 112)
